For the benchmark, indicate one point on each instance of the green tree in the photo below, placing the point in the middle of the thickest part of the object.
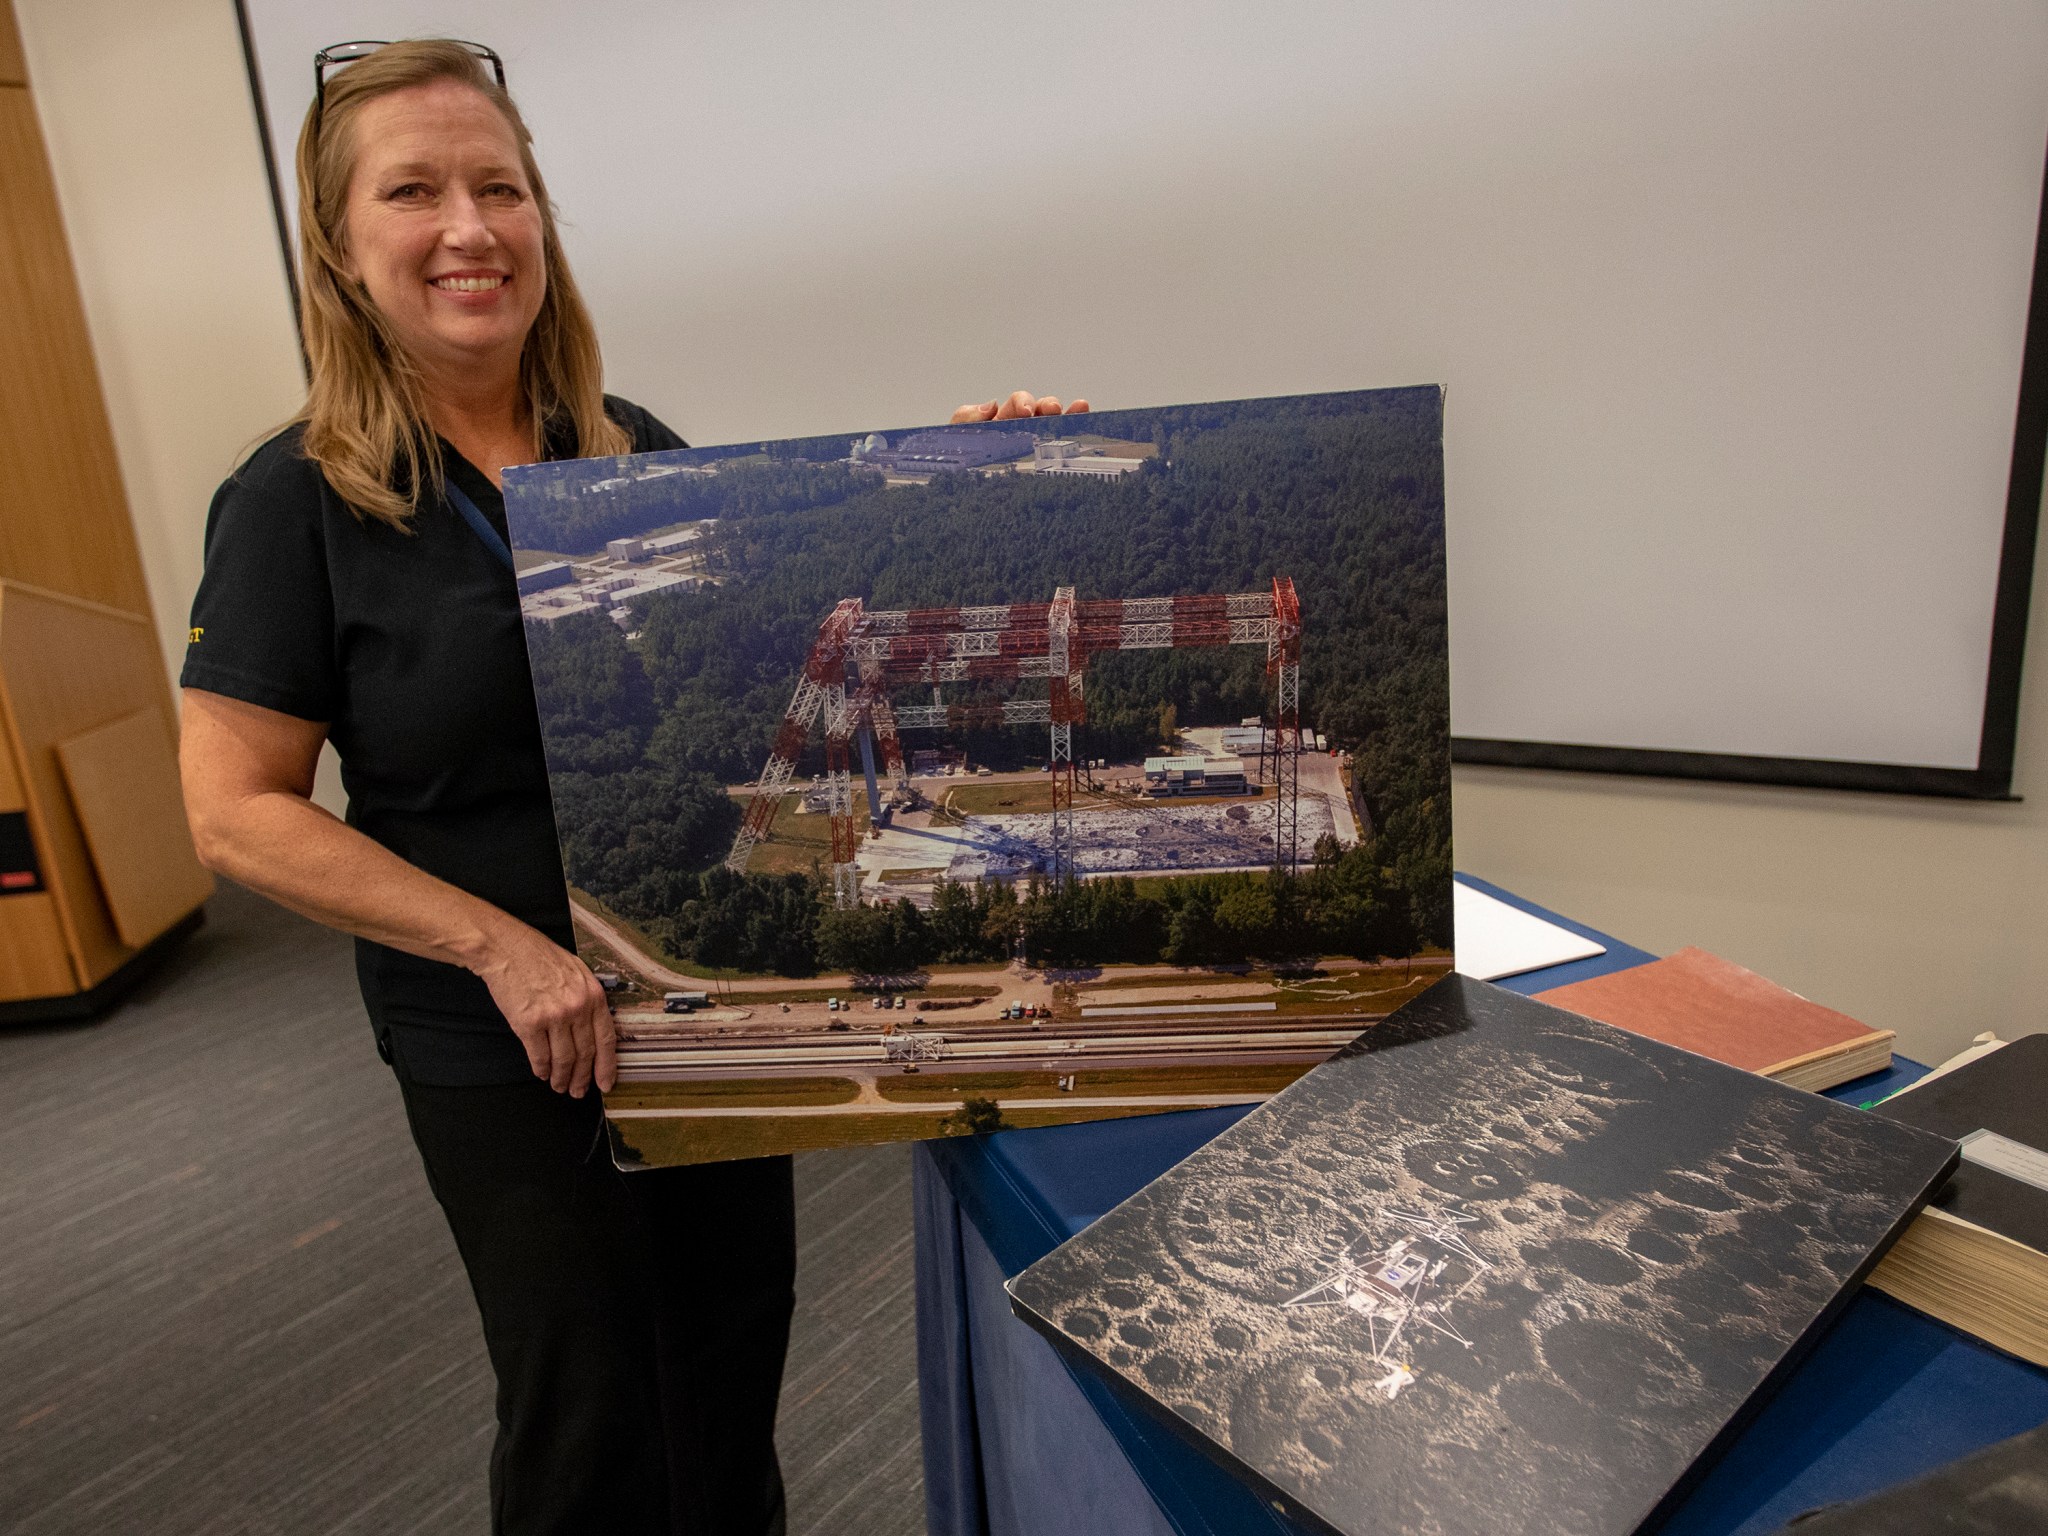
(1245, 916)
(750, 922)
(955, 925)
(910, 938)
(855, 939)
(974, 1117)
(595, 703)
(634, 838)
(1000, 920)
(1191, 932)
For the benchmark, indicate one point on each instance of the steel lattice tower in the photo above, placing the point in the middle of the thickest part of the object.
(860, 655)
(1064, 706)
(1283, 667)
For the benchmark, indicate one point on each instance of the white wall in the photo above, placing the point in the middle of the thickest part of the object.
(1926, 917)
(1728, 295)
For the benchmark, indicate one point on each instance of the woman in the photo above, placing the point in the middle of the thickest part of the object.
(636, 1325)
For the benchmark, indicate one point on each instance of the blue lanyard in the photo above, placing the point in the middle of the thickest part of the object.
(473, 515)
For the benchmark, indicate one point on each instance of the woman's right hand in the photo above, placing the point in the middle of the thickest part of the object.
(248, 772)
(555, 1007)
(1018, 403)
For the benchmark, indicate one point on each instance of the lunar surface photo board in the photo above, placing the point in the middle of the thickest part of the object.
(1494, 1267)
(926, 782)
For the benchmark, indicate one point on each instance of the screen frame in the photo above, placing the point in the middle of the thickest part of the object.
(1991, 779)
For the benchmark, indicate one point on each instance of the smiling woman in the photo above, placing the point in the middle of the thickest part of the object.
(433, 278)
(443, 230)
(354, 592)
(358, 589)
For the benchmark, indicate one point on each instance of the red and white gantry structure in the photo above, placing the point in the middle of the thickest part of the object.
(861, 656)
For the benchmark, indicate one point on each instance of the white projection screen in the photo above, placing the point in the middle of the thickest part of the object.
(1731, 298)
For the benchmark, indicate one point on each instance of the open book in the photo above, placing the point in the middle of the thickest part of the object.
(1977, 1258)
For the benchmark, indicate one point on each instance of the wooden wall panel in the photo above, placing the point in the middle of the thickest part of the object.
(35, 962)
(64, 520)
(124, 788)
(66, 667)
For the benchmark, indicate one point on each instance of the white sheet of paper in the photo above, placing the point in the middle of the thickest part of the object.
(1982, 1045)
(2001, 1154)
(1496, 940)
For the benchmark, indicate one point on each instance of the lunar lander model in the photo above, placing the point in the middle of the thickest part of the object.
(1399, 1286)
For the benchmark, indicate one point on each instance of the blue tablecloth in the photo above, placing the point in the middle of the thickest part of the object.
(1017, 1444)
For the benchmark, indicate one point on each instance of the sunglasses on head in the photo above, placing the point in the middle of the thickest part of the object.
(336, 54)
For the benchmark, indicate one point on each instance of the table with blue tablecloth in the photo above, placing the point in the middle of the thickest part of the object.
(1016, 1443)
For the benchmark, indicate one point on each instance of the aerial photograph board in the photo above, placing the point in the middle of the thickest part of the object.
(929, 781)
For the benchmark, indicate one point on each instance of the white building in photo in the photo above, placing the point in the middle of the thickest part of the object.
(1067, 456)
(547, 608)
(651, 583)
(670, 543)
(538, 578)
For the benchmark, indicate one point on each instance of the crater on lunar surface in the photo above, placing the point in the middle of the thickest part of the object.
(1321, 1385)
(1656, 1247)
(1701, 1194)
(1257, 1236)
(1598, 1066)
(1614, 1364)
(1592, 1261)
(1470, 1171)
(1085, 1323)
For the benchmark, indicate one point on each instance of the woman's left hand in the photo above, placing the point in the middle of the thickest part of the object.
(1022, 403)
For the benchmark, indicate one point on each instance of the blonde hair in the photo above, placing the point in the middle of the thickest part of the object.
(366, 411)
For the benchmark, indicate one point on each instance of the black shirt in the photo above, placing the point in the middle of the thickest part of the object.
(409, 645)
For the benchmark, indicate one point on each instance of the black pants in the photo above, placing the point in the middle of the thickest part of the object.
(637, 1322)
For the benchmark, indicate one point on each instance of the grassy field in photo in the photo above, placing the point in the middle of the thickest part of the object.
(734, 1093)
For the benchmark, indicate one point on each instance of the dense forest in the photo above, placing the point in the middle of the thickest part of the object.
(1343, 904)
(1344, 494)
(562, 508)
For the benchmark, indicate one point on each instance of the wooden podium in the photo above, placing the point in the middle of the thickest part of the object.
(97, 873)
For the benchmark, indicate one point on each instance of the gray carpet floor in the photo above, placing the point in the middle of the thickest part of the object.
(229, 1304)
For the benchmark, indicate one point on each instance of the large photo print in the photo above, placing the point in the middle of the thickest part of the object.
(929, 782)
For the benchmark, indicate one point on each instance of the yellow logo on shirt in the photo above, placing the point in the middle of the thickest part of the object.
(192, 635)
